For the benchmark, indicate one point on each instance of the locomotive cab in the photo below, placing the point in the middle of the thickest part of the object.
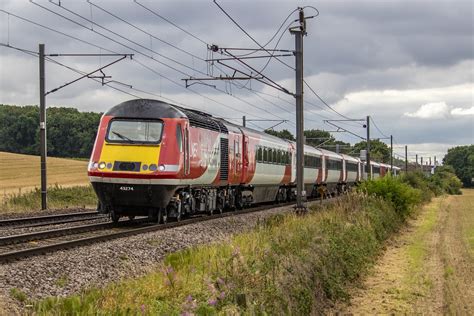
(138, 143)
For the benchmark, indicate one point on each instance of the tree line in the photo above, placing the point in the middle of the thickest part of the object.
(71, 133)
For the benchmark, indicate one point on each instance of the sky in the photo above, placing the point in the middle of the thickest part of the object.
(408, 64)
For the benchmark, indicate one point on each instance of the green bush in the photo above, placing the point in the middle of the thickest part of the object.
(445, 179)
(420, 181)
(399, 194)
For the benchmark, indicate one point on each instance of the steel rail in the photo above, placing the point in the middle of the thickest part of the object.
(66, 221)
(14, 255)
(23, 220)
(52, 233)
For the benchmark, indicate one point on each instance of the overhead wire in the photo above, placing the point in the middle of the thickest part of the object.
(271, 54)
(141, 53)
(202, 41)
(89, 43)
(378, 129)
(250, 36)
(118, 89)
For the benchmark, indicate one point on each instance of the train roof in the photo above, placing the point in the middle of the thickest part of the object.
(330, 154)
(312, 150)
(349, 158)
(145, 108)
(148, 108)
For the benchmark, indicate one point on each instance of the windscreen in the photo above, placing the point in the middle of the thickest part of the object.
(135, 131)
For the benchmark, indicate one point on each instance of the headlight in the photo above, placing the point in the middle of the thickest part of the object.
(161, 167)
(152, 167)
(145, 167)
(102, 165)
(95, 165)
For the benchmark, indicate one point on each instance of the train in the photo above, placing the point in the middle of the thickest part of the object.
(152, 158)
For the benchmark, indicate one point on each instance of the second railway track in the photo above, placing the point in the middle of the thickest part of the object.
(44, 220)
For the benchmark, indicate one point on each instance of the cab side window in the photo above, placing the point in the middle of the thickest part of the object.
(179, 138)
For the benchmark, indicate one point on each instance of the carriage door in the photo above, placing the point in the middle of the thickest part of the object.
(186, 152)
(245, 157)
(237, 159)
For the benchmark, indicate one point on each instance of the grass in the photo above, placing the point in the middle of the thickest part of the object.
(467, 210)
(58, 197)
(288, 264)
(62, 281)
(21, 173)
(417, 282)
(18, 295)
(417, 250)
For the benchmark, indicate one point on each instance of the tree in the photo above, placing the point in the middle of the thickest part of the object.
(461, 158)
(379, 151)
(315, 137)
(70, 133)
(285, 134)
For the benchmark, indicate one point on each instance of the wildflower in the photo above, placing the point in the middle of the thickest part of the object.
(212, 301)
(222, 296)
(236, 252)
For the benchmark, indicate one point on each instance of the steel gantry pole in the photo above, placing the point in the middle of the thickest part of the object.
(299, 32)
(43, 146)
(391, 154)
(369, 170)
(406, 159)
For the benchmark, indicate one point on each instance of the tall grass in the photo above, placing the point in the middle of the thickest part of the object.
(288, 264)
(58, 197)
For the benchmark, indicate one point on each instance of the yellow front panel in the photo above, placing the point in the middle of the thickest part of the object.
(131, 153)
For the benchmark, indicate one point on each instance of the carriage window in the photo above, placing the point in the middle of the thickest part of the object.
(265, 154)
(279, 157)
(259, 154)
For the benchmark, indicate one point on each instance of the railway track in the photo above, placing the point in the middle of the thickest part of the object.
(50, 219)
(125, 232)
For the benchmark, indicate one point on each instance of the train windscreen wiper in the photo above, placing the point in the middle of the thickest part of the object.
(123, 137)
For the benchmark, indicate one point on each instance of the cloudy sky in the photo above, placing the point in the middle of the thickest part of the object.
(407, 64)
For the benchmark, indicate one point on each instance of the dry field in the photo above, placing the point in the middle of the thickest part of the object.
(21, 173)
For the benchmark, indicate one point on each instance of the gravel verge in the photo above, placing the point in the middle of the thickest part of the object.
(66, 272)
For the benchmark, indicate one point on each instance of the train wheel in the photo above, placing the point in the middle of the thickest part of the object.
(163, 216)
(114, 216)
(179, 215)
(239, 203)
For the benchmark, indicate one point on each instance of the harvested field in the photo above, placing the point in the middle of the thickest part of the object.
(21, 173)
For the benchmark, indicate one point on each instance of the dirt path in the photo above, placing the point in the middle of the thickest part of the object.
(429, 268)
